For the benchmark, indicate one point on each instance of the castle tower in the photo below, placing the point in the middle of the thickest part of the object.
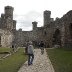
(47, 17)
(2, 25)
(34, 25)
(14, 25)
(9, 12)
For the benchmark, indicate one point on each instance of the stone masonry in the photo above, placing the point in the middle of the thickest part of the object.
(54, 32)
(7, 26)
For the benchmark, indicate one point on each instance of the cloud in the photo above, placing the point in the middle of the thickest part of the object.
(25, 21)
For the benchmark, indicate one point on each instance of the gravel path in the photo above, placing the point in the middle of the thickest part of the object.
(41, 63)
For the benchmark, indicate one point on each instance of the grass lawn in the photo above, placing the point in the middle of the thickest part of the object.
(5, 49)
(13, 62)
(61, 59)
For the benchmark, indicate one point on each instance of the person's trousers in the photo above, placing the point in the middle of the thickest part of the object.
(30, 58)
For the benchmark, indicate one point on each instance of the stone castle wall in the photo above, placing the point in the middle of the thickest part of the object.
(6, 38)
(7, 25)
(64, 27)
(54, 32)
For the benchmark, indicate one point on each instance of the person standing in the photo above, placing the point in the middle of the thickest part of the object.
(42, 47)
(26, 47)
(13, 48)
(30, 53)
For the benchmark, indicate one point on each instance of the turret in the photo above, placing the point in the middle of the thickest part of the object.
(14, 24)
(34, 25)
(20, 30)
(47, 17)
(2, 21)
(2, 16)
(9, 12)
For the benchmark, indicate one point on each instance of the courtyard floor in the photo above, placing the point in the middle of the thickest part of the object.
(41, 63)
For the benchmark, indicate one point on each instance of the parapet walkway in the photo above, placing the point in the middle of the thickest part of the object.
(41, 63)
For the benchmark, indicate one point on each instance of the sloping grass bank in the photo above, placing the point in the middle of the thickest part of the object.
(13, 62)
(61, 59)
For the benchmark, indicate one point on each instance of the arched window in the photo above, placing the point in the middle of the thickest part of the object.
(45, 33)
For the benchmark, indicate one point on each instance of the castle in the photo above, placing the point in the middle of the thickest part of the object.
(54, 32)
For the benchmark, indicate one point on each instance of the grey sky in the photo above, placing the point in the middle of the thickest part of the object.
(25, 21)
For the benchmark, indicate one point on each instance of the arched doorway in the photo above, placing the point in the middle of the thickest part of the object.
(57, 37)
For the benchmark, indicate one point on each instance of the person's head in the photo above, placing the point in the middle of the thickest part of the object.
(30, 42)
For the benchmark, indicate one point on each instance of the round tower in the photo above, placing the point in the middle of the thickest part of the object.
(34, 25)
(47, 17)
(9, 12)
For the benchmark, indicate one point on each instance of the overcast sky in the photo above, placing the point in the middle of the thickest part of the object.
(27, 11)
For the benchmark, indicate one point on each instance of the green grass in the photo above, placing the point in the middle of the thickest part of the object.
(5, 49)
(13, 62)
(61, 59)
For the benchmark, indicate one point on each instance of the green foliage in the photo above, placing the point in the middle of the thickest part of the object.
(61, 59)
(13, 62)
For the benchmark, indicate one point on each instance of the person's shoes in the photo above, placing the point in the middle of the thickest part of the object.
(31, 63)
(28, 64)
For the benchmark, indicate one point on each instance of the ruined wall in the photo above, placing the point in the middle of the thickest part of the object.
(63, 26)
(6, 38)
(54, 32)
(67, 20)
(6, 20)
(7, 25)
(21, 37)
(58, 32)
